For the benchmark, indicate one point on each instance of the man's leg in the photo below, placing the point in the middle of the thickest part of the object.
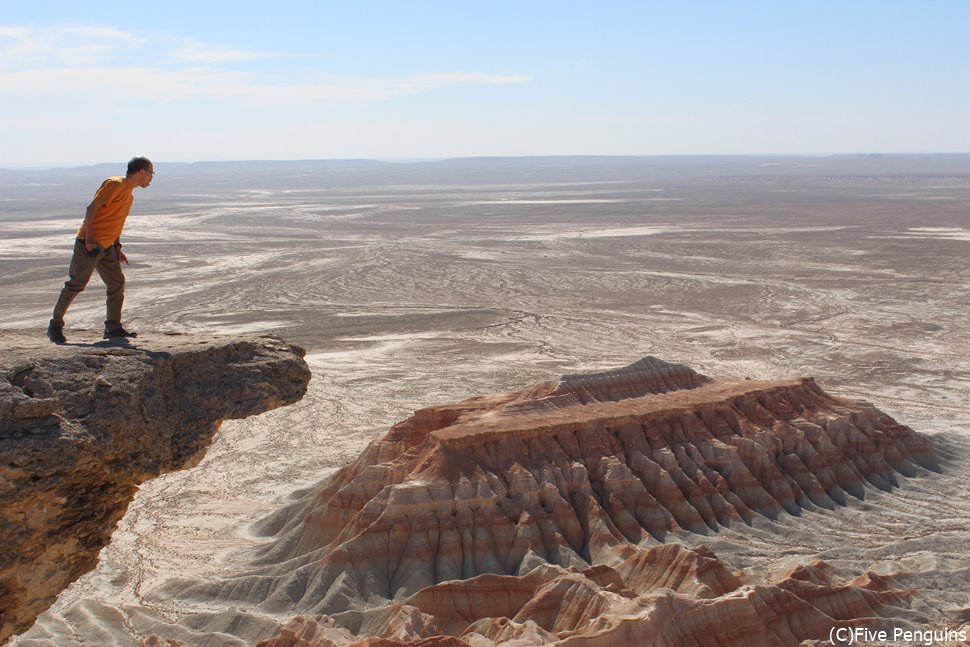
(114, 281)
(82, 266)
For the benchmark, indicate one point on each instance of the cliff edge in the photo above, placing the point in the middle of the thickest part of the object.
(82, 425)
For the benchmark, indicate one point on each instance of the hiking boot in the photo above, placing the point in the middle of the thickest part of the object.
(118, 333)
(55, 333)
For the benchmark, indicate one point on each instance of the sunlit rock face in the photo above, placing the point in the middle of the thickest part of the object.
(82, 425)
(565, 513)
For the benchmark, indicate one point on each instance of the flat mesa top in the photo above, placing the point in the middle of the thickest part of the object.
(525, 416)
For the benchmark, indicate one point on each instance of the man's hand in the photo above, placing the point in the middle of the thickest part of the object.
(121, 256)
(89, 244)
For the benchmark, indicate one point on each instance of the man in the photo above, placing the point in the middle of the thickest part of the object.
(98, 247)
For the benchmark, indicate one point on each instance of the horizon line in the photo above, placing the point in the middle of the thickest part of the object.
(422, 160)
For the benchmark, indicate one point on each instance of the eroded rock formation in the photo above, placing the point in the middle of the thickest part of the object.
(82, 425)
(580, 608)
(560, 514)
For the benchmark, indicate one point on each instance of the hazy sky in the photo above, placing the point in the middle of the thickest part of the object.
(91, 81)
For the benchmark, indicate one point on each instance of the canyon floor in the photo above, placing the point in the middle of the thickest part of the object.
(412, 285)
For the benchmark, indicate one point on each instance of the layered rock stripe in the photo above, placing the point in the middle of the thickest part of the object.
(560, 513)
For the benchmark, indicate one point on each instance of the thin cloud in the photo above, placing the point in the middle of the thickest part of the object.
(206, 53)
(163, 84)
(386, 87)
(71, 45)
(438, 79)
(61, 62)
(138, 82)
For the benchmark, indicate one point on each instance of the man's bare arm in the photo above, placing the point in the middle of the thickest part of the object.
(89, 242)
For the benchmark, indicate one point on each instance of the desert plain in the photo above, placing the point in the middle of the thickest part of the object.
(422, 283)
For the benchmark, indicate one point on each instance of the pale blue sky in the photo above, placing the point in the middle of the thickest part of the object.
(84, 82)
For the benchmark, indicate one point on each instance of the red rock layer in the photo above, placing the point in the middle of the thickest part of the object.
(542, 513)
(573, 609)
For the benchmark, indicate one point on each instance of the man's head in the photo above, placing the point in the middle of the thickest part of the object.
(140, 171)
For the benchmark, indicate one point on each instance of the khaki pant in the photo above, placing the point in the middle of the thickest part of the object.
(83, 264)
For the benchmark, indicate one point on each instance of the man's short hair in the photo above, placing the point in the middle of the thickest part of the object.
(138, 164)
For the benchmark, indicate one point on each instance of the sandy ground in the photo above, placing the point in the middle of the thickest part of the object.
(433, 283)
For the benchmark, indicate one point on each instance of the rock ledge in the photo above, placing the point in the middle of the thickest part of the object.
(83, 424)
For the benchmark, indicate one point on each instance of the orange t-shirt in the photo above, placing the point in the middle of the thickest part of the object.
(113, 201)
